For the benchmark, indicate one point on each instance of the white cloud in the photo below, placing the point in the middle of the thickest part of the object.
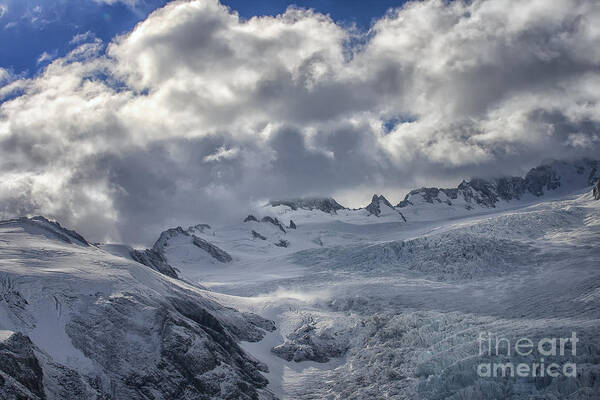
(131, 3)
(222, 153)
(83, 37)
(4, 75)
(3, 10)
(45, 56)
(198, 110)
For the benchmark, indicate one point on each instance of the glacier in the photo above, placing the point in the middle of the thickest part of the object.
(378, 302)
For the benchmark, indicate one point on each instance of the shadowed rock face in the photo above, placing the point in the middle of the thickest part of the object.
(21, 376)
(325, 204)
(275, 222)
(155, 260)
(216, 252)
(251, 218)
(375, 206)
(488, 193)
(163, 241)
(175, 348)
(596, 190)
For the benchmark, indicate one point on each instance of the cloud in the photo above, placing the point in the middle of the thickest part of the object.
(45, 57)
(83, 37)
(3, 10)
(197, 114)
(4, 75)
(130, 3)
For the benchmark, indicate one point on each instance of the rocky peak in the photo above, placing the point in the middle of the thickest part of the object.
(165, 236)
(375, 207)
(251, 218)
(487, 193)
(163, 242)
(325, 204)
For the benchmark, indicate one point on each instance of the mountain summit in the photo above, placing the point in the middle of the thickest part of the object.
(325, 204)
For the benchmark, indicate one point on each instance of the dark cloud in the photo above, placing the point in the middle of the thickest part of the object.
(196, 115)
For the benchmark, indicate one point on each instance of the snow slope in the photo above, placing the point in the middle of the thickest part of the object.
(377, 302)
(371, 307)
(94, 325)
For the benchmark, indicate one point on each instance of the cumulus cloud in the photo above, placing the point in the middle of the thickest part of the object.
(196, 113)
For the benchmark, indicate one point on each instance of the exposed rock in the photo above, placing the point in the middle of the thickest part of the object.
(251, 218)
(155, 260)
(216, 252)
(596, 190)
(50, 227)
(282, 243)
(487, 193)
(257, 235)
(375, 206)
(379, 204)
(260, 322)
(21, 376)
(163, 241)
(175, 349)
(325, 204)
(274, 221)
(292, 225)
(307, 342)
(199, 228)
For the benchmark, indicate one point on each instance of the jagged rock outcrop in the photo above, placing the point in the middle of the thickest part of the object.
(380, 205)
(260, 322)
(217, 253)
(282, 243)
(596, 190)
(325, 204)
(155, 260)
(376, 203)
(165, 236)
(257, 235)
(214, 251)
(487, 193)
(201, 228)
(292, 225)
(21, 376)
(250, 218)
(274, 221)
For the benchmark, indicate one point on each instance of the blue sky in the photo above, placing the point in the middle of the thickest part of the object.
(32, 28)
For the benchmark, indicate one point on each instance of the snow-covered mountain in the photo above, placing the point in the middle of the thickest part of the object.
(307, 299)
(552, 179)
(77, 322)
